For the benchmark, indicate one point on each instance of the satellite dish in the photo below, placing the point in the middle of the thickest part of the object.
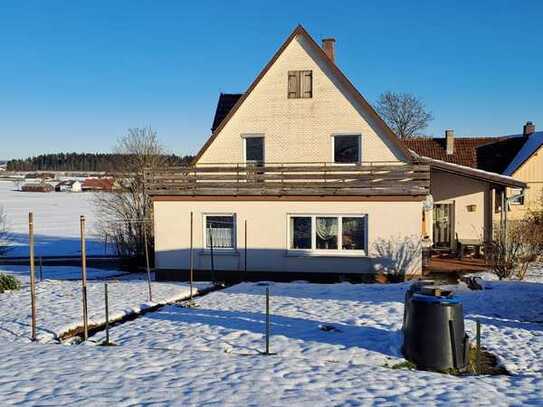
(428, 203)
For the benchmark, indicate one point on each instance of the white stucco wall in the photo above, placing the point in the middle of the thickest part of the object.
(463, 191)
(299, 130)
(267, 234)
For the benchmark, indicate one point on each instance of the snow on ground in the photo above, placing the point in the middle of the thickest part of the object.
(56, 221)
(59, 301)
(211, 355)
(58, 273)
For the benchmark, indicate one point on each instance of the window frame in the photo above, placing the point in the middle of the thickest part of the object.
(333, 143)
(244, 138)
(207, 249)
(520, 200)
(340, 251)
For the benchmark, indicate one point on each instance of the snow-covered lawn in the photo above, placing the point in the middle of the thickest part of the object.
(58, 273)
(56, 221)
(211, 354)
(59, 308)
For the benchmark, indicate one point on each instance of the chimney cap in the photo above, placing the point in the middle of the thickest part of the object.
(329, 39)
(528, 128)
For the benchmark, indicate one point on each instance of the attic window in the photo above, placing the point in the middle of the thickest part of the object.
(300, 84)
(346, 149)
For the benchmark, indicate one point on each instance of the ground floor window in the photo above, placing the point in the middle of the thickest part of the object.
(328, 233)
(220, 231)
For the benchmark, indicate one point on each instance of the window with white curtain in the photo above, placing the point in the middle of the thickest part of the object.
(328, 233)
(220, 231)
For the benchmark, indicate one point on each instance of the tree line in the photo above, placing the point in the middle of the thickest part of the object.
(83, 162)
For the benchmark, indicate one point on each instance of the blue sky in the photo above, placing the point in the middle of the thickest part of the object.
(75, 75)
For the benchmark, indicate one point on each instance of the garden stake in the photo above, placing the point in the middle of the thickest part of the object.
(245, 261)
(32, 273)
(267, 321)
(147, 262)
(191, 253)
(84, 278)
(107, 313)
(478, 348)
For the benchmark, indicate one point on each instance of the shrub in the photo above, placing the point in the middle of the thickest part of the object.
(8, 282)
(515, 248)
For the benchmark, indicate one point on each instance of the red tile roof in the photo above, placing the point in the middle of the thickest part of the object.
(465, 149)
(98, 184)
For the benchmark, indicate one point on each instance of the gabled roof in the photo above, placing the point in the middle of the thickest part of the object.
(494, 154)
(226, 102)
(497, 155)
(300, 31)
(533, 143)
(464, 149)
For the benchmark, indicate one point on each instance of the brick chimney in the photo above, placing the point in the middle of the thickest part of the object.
(329, 48)
(528, 129)
(449, 139)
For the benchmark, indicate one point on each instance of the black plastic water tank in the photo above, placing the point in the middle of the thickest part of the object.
(434, 336)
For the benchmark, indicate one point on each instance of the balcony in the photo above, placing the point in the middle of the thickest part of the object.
(291, 179)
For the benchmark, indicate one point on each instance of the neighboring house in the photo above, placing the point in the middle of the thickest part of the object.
(519, 156)
(98, 185)
(301, 175)
(37, 187)
(68, 186)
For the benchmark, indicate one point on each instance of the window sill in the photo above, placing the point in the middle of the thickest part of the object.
(310, 253)
(219, 252)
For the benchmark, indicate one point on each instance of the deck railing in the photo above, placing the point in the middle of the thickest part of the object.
(291, 179)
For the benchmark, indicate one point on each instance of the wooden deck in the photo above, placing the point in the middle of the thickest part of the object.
(450, 264)
(281, 179)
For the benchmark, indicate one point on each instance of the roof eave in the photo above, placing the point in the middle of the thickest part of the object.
(473, 173)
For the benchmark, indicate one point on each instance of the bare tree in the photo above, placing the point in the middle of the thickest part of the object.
(517, 246)
(4, 232)
(404, 113)
(123, 213)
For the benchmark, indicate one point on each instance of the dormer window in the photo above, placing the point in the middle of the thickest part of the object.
(300, 84)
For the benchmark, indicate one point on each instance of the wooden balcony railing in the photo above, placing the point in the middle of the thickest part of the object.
(292, 179)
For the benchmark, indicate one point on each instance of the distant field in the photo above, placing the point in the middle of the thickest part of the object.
(56, 221)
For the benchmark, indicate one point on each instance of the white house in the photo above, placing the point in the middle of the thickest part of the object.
(301, 176)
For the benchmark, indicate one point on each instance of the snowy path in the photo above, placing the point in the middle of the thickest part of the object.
(209, 355)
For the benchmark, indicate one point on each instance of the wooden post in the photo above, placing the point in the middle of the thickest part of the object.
(212, 259)
(41, 270)
(191, 276)
(245, 254)
(505, 223)
(478, 348)
(107, 312)
(150, 294)
(84, 278)
(267, 320)
(32, 274)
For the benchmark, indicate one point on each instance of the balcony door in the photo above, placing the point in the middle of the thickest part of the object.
(443, 225)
